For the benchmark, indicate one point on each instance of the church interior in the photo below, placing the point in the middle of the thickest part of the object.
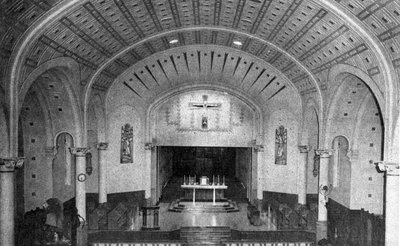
(199, 122)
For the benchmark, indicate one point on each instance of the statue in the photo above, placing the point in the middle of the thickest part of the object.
(281, 146)
(126, 144)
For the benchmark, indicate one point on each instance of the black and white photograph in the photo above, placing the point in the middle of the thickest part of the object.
(199, 122)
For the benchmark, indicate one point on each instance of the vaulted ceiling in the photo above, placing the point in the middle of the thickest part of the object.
(301, 38)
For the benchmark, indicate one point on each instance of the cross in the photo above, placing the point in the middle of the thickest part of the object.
(204, 104)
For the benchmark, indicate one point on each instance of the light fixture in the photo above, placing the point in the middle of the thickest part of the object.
(173, 41)
(237, 43)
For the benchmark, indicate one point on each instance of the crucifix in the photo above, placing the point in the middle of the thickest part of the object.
(204, 105)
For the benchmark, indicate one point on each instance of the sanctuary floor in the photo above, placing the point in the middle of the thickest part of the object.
(237, 220)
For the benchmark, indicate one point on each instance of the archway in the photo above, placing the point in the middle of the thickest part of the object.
(355, 114)
(209, 123)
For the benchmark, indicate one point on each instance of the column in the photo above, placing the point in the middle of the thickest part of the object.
(302, 174)
(7, 206)
(323, 188)
(102, 147)
(80, 192)
(392, 202)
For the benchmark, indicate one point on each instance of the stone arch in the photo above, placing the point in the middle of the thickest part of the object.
(311, 109)
(336, 76)
(67, 71)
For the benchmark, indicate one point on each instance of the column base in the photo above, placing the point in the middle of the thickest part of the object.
(322, 230)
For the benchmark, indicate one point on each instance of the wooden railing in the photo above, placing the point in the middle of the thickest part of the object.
(354, 227)
(271, 238)
(191, 236)
(285, 217)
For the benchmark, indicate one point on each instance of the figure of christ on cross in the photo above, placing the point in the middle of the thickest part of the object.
(204, 105)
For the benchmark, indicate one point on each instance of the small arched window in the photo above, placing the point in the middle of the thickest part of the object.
(340, 147)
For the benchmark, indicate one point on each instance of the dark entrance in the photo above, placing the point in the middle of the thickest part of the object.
(204, 161)
(234, 164)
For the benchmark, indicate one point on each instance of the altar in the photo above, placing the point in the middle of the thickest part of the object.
(204, 189)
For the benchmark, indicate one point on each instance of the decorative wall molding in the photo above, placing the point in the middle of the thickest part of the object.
(10, 164)
(80, 152)
(391, 168)
(102, 146)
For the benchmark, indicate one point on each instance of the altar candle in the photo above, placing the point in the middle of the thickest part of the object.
(184, 179)
(223, 180)
(218, 179)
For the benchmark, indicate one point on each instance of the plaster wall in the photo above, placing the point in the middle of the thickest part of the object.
(37, 168)
(280, 178)
(130, 176)
(366, 183)
(229, 121)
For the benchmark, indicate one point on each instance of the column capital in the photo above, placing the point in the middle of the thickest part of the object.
(102, 146)
(391, 168)
(51, 151)
(79, 151)
(10, 164)
(324, 153)
(304, 148)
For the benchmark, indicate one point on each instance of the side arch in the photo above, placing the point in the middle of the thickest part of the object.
(67, 70)
(337, 76)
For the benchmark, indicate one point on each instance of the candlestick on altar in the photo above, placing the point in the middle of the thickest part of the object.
(218, 179)
(223, 180)
(213, 180)
(184, 179)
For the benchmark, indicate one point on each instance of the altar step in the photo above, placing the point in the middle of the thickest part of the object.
(221, 206)
(212, 236)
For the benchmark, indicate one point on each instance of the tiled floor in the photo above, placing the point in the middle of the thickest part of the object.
(237, 220)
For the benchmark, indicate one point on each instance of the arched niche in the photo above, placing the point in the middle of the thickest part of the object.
(63, 167)
(340, 171)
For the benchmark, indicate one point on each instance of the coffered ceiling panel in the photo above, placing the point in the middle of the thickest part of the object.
(95, 31)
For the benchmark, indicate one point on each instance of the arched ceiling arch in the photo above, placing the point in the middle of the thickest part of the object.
(205, 64)
(311, 32)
